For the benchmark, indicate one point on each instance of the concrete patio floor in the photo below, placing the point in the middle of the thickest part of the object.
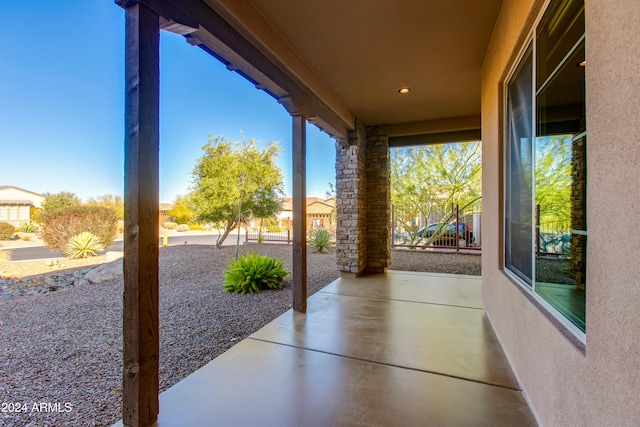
(394, 349)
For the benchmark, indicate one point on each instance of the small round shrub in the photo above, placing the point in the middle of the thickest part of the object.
(59, 226)
(183, 227)
(170, 225)
(6, 231)
(196, 227)
(253, 272)
(320, 241)
(274, 229)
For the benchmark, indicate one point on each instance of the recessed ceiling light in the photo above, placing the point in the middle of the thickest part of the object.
(404, 90)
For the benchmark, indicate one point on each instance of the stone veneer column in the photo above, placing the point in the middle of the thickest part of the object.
(351, 224)
(378, 206)
(578, 251)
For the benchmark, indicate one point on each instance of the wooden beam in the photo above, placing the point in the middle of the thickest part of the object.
(220, 37)
(447, 124)
(299, 214)
(140, 315)
(435, 138)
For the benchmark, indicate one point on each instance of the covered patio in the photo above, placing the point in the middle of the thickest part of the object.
(379, 74)
(374, 347)
(400, 348)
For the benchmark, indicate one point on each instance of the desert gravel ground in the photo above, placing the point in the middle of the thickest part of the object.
(64, 348)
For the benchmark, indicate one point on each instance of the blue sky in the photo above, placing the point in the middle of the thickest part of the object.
(62, 104)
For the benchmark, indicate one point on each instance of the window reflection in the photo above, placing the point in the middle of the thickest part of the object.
(560, 161)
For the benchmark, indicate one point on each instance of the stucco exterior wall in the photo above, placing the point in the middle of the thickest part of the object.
(14, 193)
(567, 384)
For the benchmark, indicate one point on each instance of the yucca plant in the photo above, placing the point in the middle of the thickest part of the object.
(83, 245)
(253, 272)
(5, 255)
(320, 241)
(28, 227)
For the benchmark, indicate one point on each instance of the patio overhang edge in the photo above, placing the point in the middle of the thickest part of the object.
(267, 71)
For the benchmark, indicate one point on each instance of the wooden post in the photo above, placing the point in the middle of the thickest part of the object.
(299, 214)
(140, 316)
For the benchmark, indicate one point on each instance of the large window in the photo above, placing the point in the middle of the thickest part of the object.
(545, 165)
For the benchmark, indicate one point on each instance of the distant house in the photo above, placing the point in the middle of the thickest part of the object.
(164, 212)
(319, 213)
(17, 204)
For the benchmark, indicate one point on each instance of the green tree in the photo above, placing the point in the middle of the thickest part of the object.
(116, 203)
(553, 180)
(331, 193)
(233, 181)
(56, 201)
(428, 182)
(181, 211)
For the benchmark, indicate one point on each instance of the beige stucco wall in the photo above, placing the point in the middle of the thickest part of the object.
(13, 193)
(566, 387)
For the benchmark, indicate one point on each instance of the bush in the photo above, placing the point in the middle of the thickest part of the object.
(59, 226)
(196, 227)
(28, 227)
(6, 231)
(83, 245)
(170, 225)
(320, 241)
(183, 227)
(253, 272)
(274, 229)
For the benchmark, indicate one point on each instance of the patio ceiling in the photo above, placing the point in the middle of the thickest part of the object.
(352, 57)
(366, 50)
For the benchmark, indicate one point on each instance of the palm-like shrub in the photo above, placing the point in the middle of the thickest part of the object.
(320, 241)
(28, 227)
(61, 225)
(5, 255)
(6, 231)
(253, 272)
(83, 245)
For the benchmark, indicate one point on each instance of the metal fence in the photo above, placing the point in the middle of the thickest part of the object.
(279, 234)
(552, 238)
(461, 233)
(274, 236)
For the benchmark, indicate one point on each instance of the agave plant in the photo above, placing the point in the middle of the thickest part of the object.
(28, 227)
(320, 241)
(83, 245)
(253, 272)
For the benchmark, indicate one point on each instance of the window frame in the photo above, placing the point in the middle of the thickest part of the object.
(530, 289)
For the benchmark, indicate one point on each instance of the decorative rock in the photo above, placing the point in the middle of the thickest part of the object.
(41, 284)
(105, 273)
